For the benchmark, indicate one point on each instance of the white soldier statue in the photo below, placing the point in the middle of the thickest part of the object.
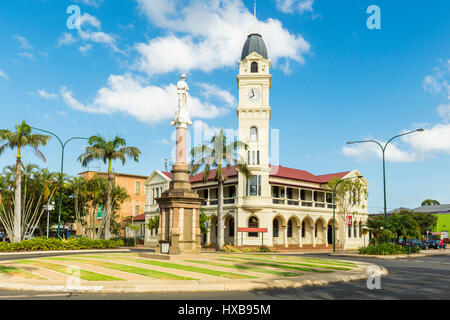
(182, 114)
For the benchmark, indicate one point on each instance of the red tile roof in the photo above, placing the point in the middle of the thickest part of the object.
(140, 217)
(168, 174)
(277, 171)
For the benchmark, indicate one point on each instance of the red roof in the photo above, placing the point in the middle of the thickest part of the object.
(232, 172)
(168, 174)
(277, 171)
(140, 217)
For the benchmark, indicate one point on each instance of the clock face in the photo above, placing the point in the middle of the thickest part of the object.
(254, 95)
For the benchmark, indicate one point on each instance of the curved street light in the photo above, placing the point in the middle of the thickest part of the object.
(334, 209)
(63, 146)
(383, 149)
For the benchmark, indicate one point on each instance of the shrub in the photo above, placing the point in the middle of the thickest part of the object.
(52, 244)
(386, 249)
(128, 242)
(264, 249)
(230, 248)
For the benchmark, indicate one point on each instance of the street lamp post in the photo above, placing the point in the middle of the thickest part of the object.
(63, 146)
(334, 209)
(383, 149)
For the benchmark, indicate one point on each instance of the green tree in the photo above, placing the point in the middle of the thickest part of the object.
(429, 202)
(20, 138)
(108, 151)
(350, 193)
(403, 225)
(219, 154)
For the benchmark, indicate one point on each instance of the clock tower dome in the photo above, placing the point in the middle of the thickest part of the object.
(254, 82)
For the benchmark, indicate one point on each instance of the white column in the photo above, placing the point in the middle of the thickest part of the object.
(285, 237)
(300, 239)
(313, 238)
(325, 232)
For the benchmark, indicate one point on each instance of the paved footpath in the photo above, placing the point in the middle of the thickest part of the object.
(255, 273)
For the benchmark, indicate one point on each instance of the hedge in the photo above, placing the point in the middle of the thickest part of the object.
(386, 249)
(50, 244)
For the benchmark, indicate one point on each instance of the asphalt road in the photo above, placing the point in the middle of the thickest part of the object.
(411, 278)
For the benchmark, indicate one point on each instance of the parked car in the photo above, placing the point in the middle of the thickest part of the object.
(435, 244)
(417, 243)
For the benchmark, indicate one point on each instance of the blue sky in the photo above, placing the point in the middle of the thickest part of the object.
(334, 80)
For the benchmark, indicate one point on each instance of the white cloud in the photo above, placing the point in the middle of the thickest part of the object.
(90, 31)
(365, 151)
(3, 75)
(47, 95)
(291, 6)
(28, 55)
(85, 49)
(444, 111)
(23, 42)
(92, 3)
(150, 104)
(433, 140)
(213, 91)
(208, 35)
(439, 81)
(66, 39)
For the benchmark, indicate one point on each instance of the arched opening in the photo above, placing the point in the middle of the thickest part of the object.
(254, 67)
(231, 227)
(360, 229)
(354, 230)
(289, 229)
(213, 230)
(330, 234)
(253, 222)
(275, 228)
(303, 229)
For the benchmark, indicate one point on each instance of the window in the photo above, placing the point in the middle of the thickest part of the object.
(275, 192)
(253, 223)
(289, 229)
(360, 229)
(257, 157)
(302, 194)
(232, 192)
(329, 198)
(254, 186)
(136, 210)
(354, 230)
(137, 187)
(253, 134)
(254, 67)
(253, 158)
(275, 228)
(289, 193)
(349, 231)
(231, 228)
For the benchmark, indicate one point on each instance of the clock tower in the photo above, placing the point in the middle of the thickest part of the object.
(254, 82)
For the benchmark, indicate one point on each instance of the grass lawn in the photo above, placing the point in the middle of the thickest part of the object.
(15, 272)
(318, 261)
(244, 266)
(130, 269)
(211, 272)
(309, 264)
(84, 274)
(265, 263)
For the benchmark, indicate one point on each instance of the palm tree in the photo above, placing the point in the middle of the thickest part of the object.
(430, 202)
(219, 154)
(108, 150)
(18, 139)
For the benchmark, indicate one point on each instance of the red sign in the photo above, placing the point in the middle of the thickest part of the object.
(349, 220)
(252, 229)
